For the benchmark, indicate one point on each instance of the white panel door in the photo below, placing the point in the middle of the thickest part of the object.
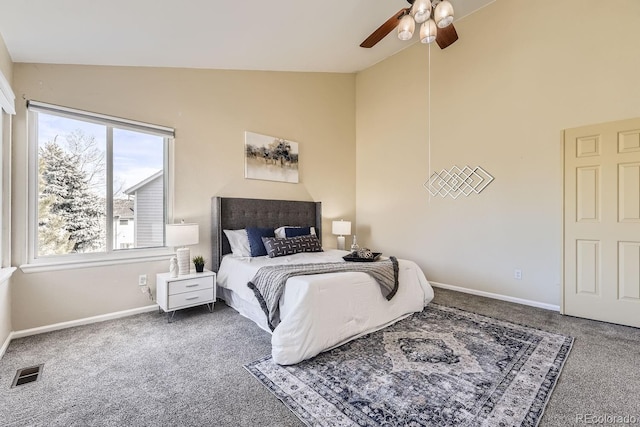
(602, 222)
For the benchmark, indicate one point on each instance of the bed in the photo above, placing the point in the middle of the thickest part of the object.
(317, 312)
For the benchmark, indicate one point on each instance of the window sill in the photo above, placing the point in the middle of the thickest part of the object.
(41, 267)
(5, 273)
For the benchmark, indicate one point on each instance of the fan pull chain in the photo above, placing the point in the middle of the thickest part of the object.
(429, 119)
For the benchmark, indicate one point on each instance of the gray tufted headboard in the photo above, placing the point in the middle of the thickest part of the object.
(228, 213)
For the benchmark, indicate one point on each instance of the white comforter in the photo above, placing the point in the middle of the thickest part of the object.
(322, 311)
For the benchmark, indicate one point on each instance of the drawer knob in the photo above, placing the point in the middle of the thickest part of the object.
(191, 286)
(191, 298)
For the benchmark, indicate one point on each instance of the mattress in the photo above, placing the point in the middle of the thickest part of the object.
(321, 311)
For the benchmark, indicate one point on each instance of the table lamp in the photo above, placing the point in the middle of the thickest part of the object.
(182, 235)
(340, 228)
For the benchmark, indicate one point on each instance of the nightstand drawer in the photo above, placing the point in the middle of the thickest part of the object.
(190, 285)
(190, 298)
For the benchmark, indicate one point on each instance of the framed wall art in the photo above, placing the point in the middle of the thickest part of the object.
(270, 158)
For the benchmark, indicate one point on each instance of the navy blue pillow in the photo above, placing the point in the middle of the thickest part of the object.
(297, 231)
(255, 235)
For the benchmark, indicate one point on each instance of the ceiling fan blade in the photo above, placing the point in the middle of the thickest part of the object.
(446, 36)
(384, 29)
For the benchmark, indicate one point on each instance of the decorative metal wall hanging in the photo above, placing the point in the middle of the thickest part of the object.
(458, 181)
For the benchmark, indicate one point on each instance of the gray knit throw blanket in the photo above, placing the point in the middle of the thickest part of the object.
(268, 283)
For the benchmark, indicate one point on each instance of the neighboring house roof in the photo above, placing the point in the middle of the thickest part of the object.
(142, 183)
(123, 208)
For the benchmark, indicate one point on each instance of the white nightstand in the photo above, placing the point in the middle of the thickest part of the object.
(185, 291)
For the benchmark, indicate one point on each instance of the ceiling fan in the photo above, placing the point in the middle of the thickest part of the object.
(436, 17)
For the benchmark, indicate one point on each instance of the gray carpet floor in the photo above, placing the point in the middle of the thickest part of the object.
(142, 371)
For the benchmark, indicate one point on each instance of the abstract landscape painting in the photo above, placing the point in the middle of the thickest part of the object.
(270, 158)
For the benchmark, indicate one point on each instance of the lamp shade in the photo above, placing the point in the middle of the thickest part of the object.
(421, 10)
(428, 31)
(340, 228)
(182, 234)
(406, 27)
(443, 14)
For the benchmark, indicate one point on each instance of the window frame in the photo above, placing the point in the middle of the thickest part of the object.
(3, 206)
(110, 256)
(7, 109)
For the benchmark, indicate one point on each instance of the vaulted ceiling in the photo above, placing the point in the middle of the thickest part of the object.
(279, 35)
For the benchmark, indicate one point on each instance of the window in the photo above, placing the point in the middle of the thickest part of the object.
(99, 185)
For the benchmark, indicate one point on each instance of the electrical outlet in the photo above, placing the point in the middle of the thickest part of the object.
(517, 274)
(142, 280)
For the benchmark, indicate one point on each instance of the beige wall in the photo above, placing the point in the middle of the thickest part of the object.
(6, 65)
(210, 111)
(501, 97)
(6, 68)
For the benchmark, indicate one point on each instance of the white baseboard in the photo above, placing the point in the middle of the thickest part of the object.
(85, 321)
(5, 345)
(497, 296)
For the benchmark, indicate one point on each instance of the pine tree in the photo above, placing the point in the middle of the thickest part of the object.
(53, 238)
(70, 214)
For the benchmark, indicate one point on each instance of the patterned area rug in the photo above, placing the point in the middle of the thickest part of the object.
(440, 367)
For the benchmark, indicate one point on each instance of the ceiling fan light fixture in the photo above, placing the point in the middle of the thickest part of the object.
(437, 24)
(421, 10)
(443, 14)
(406, 27)
(428, 31)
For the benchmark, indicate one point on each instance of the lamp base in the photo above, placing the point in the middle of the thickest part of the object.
(184, 261)
(341, 243)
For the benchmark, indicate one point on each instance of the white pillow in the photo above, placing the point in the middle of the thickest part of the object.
(281, 234)
(239, 242)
